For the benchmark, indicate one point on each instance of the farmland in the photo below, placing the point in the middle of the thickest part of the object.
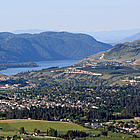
(30, 125)
(11, 127)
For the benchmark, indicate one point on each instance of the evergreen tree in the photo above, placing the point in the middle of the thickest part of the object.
(47, 132)
(22, 130)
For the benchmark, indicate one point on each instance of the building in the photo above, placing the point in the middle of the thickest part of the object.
(137, 118)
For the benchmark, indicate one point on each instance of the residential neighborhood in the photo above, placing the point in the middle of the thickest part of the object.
(19, 101)
(74, 70)
(117, 126)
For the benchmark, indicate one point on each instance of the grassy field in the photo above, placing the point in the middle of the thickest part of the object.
(10, 128)
(30, 125)
(10, 134)
(109, 138)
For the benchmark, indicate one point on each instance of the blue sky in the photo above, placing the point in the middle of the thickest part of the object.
(69, 15)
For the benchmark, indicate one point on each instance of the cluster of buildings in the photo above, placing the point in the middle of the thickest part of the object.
(74, 70)
(131, 81)
(5, 78)
(15, 86)
(9, 86)
(119, 127)
(19, 101)
(93, 63)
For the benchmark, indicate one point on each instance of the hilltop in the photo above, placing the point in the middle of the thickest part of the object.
(47, 46)
(125, 52)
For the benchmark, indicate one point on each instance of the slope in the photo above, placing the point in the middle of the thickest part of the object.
(48, 46)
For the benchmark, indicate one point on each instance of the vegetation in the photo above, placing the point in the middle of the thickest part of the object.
(4, 66)
(73, 134)
(81, 98)
(30, 125)
(90, 103)
(47, 46)
(111, 75)
(22, 130)
(52, 132)
(70, 132)
(125, 52)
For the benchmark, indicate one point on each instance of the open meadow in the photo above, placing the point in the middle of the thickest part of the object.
(12, 126)
(30, 125)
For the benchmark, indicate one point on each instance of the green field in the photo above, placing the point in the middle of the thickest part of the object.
(11, 127)
(30, 125)
(109, 138)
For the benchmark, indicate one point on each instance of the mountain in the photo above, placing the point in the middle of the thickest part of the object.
(30, 31)
(113, 36)
(47, 46)
(130, 38)
(125, 52)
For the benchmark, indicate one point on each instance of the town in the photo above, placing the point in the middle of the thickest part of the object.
(105, 98)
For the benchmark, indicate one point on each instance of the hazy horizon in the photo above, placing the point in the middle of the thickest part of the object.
(71, 16)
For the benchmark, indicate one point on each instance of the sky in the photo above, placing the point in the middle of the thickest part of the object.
(69, 15)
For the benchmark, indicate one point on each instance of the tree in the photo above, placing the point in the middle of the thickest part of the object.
(22, 130)
(15, 137)
(104, 133)
(35, 130)
(8, 138)
(55, 133)
(70, 133)
(47, 132)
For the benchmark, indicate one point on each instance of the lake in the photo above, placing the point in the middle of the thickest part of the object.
(42, 64)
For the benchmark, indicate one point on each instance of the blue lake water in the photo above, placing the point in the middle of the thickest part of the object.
(42, 64)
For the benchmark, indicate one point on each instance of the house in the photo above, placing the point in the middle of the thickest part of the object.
(87, 124)
(24, 138)
(137, 118)
(68, 120)
(78, 139)
(7, 139)
(136, 131)
(38, 134)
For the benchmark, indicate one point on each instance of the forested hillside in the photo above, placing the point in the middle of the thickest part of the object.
(47, 46)
(123, 53)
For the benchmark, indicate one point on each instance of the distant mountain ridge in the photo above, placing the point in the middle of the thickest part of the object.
(30, 31)
(130, 38)
(114, 36)
(47, 46)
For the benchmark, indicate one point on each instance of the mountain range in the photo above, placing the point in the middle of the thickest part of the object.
(112, 37)
(47, 46)
(130, 38)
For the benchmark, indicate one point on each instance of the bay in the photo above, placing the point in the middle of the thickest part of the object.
(42, 64)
